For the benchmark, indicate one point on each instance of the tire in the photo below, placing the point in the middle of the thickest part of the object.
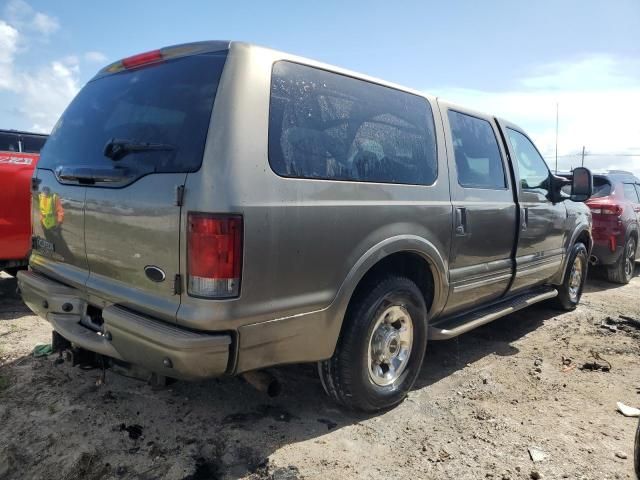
(570, 291)
(622, 271)
(376, 326)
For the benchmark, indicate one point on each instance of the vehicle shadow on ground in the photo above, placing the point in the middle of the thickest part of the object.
(11, 305)
(223, 426)
(443, 358)
(597, 280)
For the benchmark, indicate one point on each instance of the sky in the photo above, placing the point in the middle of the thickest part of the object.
(514, 59)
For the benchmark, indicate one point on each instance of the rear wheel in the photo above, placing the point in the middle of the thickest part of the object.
(570, 291)
(381, 348)
(622, 271)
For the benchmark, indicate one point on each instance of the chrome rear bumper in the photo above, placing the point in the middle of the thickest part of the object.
(128, 336)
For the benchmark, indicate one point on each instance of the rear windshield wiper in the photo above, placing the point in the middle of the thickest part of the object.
(116, 149)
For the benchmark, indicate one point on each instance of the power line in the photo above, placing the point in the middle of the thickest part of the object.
(587, 154)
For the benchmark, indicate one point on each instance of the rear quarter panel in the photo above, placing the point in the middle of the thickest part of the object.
(578, 221)
(306, 242)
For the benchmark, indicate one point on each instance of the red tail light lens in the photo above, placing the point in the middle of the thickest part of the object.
(606, 209)
(214, 251)
(142, 59)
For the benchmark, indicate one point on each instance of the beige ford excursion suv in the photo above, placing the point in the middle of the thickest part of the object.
(222, 207)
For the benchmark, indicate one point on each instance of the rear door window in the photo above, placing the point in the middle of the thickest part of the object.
(9, 142)
(168, 103)
(323, 125)
(478, 160)
(33, 143)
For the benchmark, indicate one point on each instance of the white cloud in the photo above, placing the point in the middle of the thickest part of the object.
(95, 57)
(598, 98)
(23, 16)
(46, 94)
(44, 23)
(17, 10)
(8, 47)
(42, 94)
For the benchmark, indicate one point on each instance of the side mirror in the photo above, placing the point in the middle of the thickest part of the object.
(582, 184)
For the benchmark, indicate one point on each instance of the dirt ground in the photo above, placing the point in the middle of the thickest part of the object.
(481, 403)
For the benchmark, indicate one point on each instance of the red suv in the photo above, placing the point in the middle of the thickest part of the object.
(615, 205)
(19, 153)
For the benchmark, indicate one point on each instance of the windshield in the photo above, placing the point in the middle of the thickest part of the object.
(9, 142)
(168, 103)
(601, 187)
(33, 143)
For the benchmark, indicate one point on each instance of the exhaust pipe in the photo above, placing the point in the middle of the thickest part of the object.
(263, 382)
(593, 260)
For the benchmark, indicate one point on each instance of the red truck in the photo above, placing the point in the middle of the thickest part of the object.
(19, 153)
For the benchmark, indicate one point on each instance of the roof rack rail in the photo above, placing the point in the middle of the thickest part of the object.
(22, 132)
(620, 172)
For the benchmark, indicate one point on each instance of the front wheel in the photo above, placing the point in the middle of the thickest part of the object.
(622, 271)
(570, 291)
(381, 348)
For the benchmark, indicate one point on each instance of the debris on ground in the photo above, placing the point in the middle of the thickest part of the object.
(633, 322)
(42, 350)
(567, 364)
(135, 431)
(537, 455)
(594, 366)
(623, 323)
(628, 411)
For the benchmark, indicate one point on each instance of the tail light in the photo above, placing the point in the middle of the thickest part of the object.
(214, 253)
(606, 209)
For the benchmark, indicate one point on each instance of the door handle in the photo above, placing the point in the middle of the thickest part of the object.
(461, 221)
(85, 175)
(524, 218)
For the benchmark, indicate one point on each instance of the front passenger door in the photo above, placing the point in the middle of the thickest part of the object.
(542, 231)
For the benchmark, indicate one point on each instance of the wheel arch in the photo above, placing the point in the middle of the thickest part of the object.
(407, 255)
(581, 234)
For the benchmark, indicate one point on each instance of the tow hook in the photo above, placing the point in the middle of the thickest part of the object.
(593, 260)
(263, 381)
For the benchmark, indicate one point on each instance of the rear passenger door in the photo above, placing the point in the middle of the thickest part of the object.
(484, 210)
(542, 229)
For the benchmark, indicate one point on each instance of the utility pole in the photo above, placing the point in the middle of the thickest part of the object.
(583, 155)
(556, 137)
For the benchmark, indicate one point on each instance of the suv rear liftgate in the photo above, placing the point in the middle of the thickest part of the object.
(113, 174)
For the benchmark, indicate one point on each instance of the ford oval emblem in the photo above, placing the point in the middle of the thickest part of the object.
(155, 274)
